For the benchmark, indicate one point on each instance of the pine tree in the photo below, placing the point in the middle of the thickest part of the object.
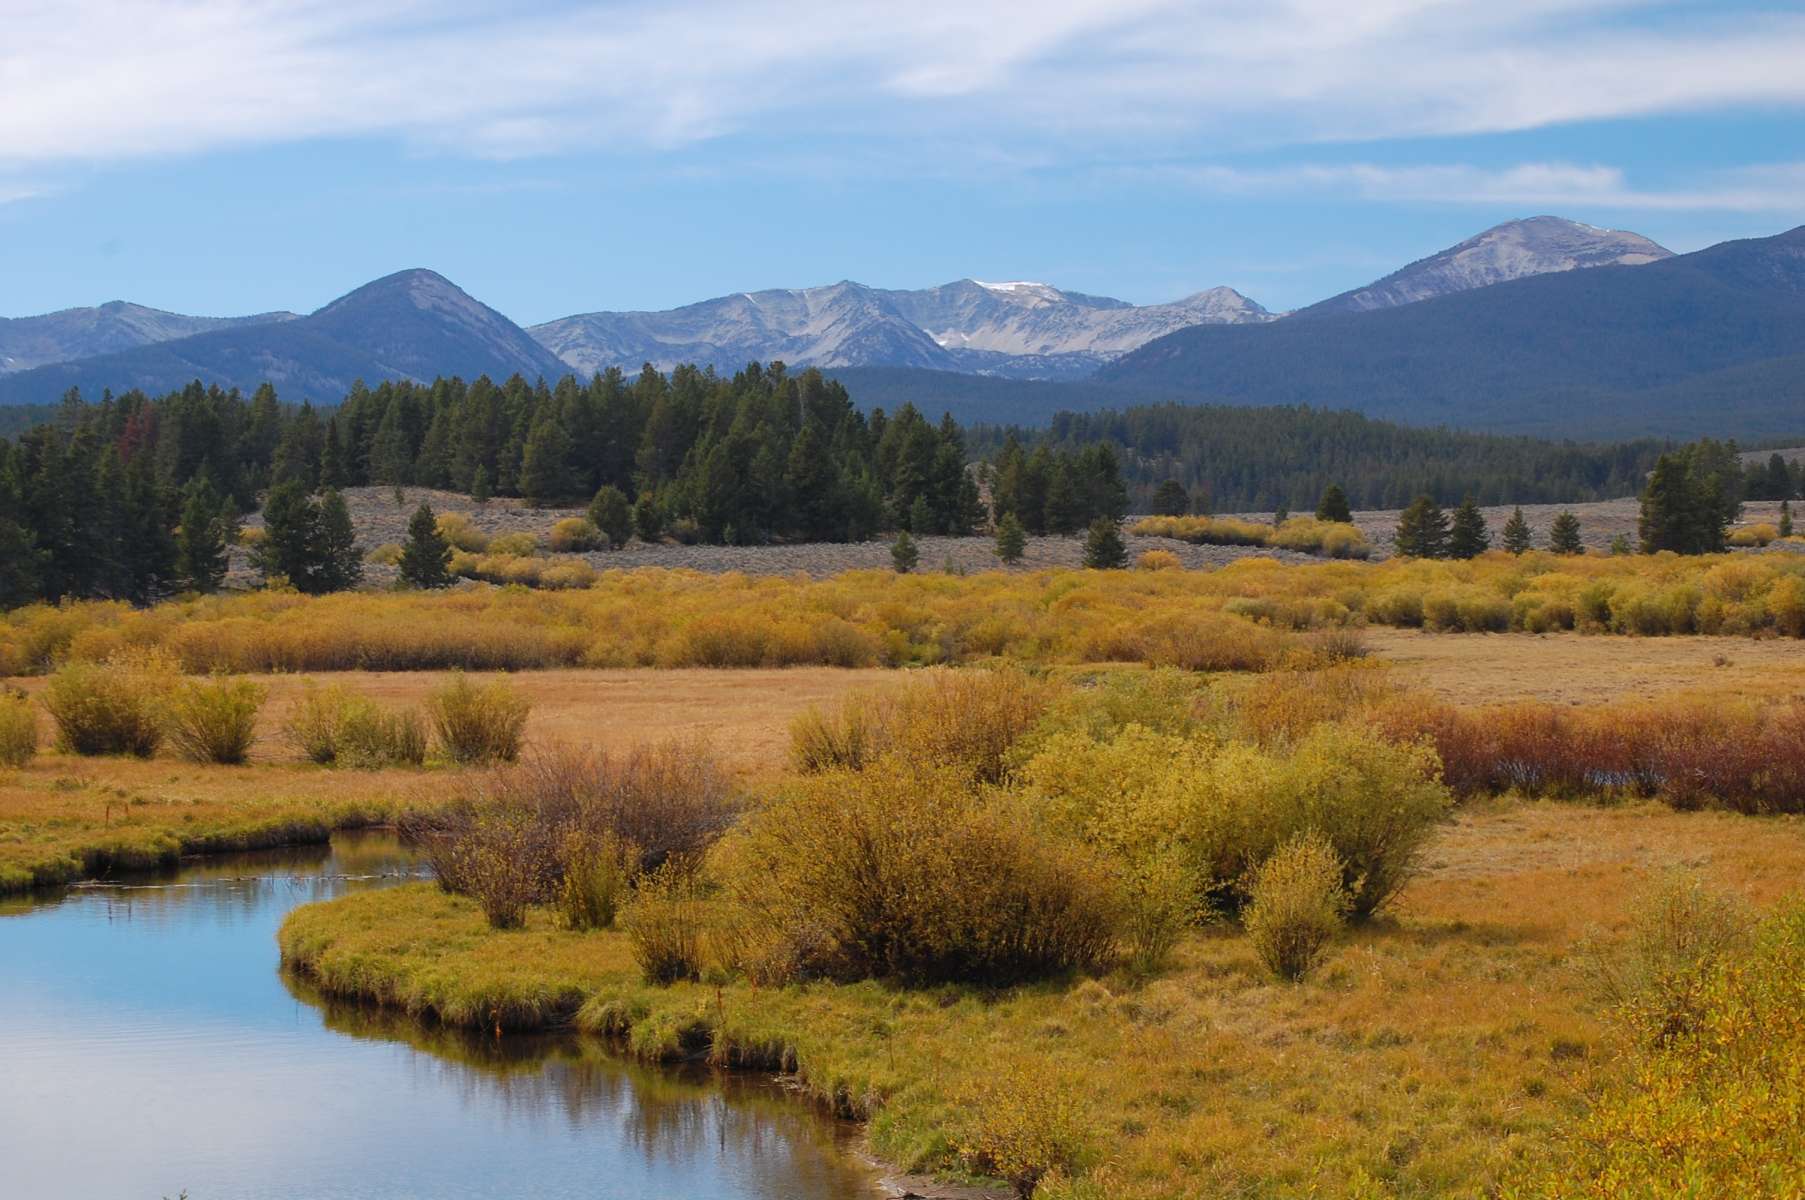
(903, 553)
(1422, 530)
(1563, 535)
(1171, 500)
(332, 457)
(201, 545)
(545, 475)
(1062, 506)
(338, 563)
(648, 517)
(1467, 535)
(921, 517)
(480, 485)
(610, 513)
(426, 555)
(1334, 506)
(1516, 533)
(1012, 540)
(1786, 518)
(286, 548)
(1103, 548)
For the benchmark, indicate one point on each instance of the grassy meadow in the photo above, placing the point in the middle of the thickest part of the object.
(1269, 881)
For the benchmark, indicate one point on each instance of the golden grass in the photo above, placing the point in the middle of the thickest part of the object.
(1570, 668)
(63, 817)
(1238, 617)
(1430, 1053)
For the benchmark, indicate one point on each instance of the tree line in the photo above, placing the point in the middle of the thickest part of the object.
(1234, 459)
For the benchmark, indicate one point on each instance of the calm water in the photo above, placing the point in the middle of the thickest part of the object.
(151, 1045)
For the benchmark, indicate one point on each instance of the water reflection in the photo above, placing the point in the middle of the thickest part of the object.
(153, 1046)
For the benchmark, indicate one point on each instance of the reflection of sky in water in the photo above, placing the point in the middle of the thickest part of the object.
(151, 1045)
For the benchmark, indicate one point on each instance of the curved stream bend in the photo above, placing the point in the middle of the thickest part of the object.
(152, 1047)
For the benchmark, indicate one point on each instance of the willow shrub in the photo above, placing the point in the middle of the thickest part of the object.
(1296, 904)
(1224, 809)
(18, 729)
(908, 873)
(966, 719)
(116, 707)
(1711, 1105)
(667, 924)
(333, 726)
(215, 720)
(478, 723)
(1306, 535)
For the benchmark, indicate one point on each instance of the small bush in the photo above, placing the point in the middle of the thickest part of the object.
(111, 708)
(18, 730)
(502, 860)
(664, 802)
(388, 554)
(1679, 928)
(215, 721)
(333, 726)
(598, 872)
(514, 545)
(906, 873)
(458, 529)
(1159, 903)
(574, 535)
(1025, 1125)
(1158, 560)
(666, 925)
(1295, 905)
(478, 723)
(971, 719)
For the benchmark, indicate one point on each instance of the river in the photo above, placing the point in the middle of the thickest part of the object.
(152, 1046)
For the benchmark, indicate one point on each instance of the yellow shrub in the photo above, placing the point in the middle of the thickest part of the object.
(514, 545)
(112, 708)
(574, 535)
(1295, 905)
(215, 721)
(1024, 1123)
(18, 730)
(462, 533)
(1158, 560)
(478, 723)
(388, 554)
(1754, 535)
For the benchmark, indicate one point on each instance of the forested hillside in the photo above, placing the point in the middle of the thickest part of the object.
(1259, 459)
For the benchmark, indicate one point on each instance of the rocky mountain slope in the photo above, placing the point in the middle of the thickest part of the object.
(1016, 330)
(1513, 250)
(73, 333)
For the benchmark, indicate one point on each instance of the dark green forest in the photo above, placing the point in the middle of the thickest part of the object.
(1258, 459)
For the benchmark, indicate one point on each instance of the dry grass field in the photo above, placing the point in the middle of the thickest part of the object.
(1577, 669)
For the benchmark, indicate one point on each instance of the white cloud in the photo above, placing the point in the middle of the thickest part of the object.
(1776, 188)
(101, 80)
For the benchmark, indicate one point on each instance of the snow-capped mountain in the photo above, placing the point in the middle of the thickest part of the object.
(1020, 329)
(1513, 250)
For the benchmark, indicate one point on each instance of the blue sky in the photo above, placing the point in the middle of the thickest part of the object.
(231, 156)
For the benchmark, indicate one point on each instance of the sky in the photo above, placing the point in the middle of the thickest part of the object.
(223, 157)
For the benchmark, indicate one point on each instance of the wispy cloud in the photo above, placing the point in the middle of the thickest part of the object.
(101, 80)
(1775, 188)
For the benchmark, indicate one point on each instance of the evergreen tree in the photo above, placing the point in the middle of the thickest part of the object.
(1422, 530)
(1012, 540)
(545, 475)
(648, 518)
(1563, 535)
(332, 457)
(426, 555)
(1103, 548)
(205, 534)
(480, 485)
(1280, 515)
(1334, 506)
(1785, 518)
(903, 553)
(286, 548)
(610, 513)
(1516, 532)
(1063, 506)
(1692, 497)
(1620, 545)
(1467, 535)
(19, 555)
(1170, 499)
(337, 561)
(921, 517)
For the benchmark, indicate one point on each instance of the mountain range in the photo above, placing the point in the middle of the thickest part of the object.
(1538, 325)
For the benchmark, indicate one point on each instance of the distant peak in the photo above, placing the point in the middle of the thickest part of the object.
(1016, 285)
